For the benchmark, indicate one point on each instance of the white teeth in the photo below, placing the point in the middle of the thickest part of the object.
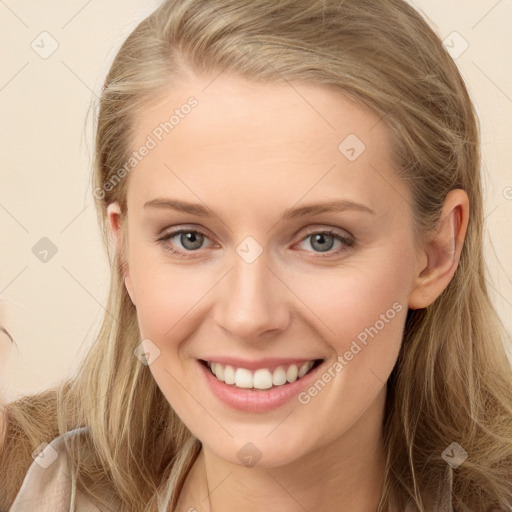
(262, 378)
(229, 375)
(292, 373)
(279, 376)
(219, 371)
(303, 369)
(243, 378)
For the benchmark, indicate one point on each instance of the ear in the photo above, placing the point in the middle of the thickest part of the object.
(114, 219)
(442, 251)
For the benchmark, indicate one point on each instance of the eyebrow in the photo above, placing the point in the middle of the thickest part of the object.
(199, 210)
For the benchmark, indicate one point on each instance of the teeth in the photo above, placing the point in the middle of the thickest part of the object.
(219, 370)
(292, 373)
(261, 378)
(279, 376)
(303, 370)
(243, 378)
(229, 374)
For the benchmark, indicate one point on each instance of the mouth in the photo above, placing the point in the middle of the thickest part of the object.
(261, 378)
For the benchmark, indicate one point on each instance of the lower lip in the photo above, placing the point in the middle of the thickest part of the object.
(256, 400)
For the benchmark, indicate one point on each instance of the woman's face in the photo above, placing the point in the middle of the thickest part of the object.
(253, 281)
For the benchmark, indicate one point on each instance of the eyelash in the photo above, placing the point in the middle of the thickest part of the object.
(346, 241)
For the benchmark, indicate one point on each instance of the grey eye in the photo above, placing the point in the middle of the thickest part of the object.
(191, 240)
(322, 241)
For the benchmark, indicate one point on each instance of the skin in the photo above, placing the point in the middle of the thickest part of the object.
(248, 152)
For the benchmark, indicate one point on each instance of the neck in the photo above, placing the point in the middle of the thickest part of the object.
(345, 475)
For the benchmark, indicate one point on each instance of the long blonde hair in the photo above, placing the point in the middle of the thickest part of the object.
(452, 381)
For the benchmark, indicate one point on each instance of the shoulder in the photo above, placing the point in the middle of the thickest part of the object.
(47, 486)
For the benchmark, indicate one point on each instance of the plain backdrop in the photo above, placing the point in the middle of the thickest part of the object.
(55, 57)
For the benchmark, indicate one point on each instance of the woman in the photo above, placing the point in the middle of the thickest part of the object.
(298, 317)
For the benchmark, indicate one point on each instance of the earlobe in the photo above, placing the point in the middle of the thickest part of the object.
(116, 239)
(442, 251)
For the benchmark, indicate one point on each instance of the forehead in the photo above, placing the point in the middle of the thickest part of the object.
(256, 138)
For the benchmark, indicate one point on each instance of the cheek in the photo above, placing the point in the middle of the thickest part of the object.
(353, 296)
(361, 310)
(362, 315)
(167, 293)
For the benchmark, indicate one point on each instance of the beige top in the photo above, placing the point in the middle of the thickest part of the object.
(47, 486)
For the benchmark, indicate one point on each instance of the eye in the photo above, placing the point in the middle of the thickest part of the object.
(190, 239)
(323, 242)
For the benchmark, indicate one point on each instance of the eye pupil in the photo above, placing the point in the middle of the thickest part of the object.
(193, 238)
(320, 237)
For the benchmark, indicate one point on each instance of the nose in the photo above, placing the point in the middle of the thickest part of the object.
(252, 301)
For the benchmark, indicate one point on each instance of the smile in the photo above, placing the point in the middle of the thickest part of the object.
(261, 378)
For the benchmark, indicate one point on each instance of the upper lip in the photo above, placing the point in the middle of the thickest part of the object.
(270, 363)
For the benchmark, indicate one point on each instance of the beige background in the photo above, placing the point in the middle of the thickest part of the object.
(53, 308)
